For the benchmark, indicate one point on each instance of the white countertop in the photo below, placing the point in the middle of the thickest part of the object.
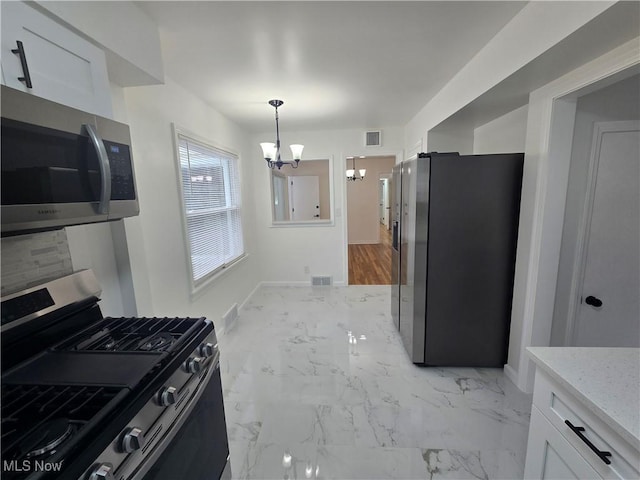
(606, 380)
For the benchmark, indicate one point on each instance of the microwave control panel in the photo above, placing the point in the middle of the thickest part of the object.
(122, 181)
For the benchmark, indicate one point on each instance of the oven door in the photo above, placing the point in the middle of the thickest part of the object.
(199, 450)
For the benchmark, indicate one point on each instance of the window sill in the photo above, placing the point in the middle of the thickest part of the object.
(197, 292)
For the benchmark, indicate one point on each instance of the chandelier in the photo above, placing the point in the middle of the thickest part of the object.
(271, 151)
(351, 172)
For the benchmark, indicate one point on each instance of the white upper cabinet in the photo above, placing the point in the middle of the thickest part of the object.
(62, 66)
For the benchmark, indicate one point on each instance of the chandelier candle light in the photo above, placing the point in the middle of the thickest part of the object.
(351, 172)
(271, 151)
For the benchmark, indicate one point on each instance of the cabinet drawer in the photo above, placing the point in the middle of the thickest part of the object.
(559, 406)
(551, 456)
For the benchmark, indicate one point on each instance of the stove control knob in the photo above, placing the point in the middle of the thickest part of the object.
(167, 396)
(133, 440)
(207, 350)
(104, 471)
(193, 365)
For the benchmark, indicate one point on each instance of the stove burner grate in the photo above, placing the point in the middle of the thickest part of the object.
(37, 420)
(155, 342)
(46, 437)
(133, 335)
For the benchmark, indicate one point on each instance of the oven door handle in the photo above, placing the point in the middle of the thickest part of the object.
(105, 169)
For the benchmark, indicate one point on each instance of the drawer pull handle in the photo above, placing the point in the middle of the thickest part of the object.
(578, 431)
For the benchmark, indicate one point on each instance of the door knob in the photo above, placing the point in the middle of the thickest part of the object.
(593, 301)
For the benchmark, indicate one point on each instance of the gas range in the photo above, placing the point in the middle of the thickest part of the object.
(86, 397)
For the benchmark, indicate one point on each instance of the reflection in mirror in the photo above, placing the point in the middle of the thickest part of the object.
(301, 194)
(280, 208)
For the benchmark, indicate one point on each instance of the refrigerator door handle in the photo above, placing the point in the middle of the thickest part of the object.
(395, 236)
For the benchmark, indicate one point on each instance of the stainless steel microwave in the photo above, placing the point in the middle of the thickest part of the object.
(62, 166)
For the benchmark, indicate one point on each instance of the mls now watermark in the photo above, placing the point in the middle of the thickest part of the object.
(31, 466)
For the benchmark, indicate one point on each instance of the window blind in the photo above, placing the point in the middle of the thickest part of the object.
(212, 201)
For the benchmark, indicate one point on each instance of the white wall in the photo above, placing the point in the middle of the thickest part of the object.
(450, 136)
(620, 101)
(505, 134)
(159, 235)
(285, 251)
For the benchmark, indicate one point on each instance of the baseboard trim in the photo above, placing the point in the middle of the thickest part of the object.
(306, 283)
(220, 332)
(340, 283)
(511, 374)
(246, 300)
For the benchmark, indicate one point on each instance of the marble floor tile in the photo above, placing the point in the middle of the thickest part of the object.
(317, 424)
(317, 385)
(458, 464)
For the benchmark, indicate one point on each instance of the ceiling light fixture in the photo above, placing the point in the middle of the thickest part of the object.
(351, 172)
(271, 151)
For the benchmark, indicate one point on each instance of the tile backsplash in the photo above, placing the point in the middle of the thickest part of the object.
(29, 260)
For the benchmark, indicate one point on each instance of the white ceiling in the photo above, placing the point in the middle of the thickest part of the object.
(335, 64)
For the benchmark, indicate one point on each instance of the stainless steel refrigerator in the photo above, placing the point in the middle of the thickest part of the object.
(455, 227)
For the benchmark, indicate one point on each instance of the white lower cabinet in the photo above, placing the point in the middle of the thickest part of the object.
(551, 456)
(567, 440)
(58, 64)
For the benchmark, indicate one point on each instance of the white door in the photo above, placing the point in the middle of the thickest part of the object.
(304, 197)
(387, 203)
(608, 314)
(381, 188)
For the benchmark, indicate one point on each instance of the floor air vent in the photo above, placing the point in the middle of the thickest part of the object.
(373, 138)
(316, 281)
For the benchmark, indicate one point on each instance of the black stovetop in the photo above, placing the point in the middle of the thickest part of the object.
(74, 393)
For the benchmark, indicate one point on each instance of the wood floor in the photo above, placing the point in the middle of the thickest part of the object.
(370, 264)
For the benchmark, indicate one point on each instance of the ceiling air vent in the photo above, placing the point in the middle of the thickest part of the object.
(373, 138)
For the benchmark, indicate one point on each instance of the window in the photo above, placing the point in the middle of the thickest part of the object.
(211, 202)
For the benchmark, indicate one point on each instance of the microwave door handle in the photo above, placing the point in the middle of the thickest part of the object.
(105, 169)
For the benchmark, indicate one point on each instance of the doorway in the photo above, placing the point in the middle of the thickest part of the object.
(368, 235)
(597, 300)
(550, 124)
